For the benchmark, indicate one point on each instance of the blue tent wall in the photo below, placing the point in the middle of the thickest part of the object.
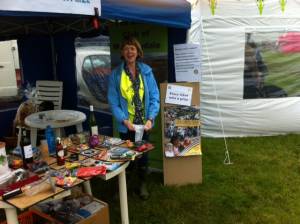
(37, 65)
(35, 50)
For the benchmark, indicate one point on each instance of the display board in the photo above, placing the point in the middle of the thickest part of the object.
(184, 167)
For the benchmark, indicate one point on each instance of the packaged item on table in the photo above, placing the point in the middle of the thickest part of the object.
(38, 167)
(91, 171)
(46, 183)
(73, 157)
(103, 155)
(89, 152)
(65, 182)
(72, 165)
(94, 141)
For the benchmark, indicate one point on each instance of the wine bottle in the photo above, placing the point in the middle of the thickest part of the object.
(27, 153)
(92, 122)
(60, 153)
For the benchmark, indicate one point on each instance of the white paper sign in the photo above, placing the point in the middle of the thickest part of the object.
(82, 7)
(187, 59)
(180, 95)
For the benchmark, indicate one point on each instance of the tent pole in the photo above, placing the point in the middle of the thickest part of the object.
(53, 57)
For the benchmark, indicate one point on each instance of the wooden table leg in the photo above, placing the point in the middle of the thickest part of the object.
(11, 216)
(123, 197)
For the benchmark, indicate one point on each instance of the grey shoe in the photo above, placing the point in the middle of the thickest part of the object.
(144, 194)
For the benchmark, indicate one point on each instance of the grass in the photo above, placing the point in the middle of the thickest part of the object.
(261, 186)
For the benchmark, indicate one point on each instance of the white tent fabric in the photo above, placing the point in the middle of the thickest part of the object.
(222, 37)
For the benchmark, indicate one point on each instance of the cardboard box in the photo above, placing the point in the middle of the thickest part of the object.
(101, 216)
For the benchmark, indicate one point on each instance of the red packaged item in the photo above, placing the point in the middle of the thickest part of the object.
(145, 147)
(91, 171)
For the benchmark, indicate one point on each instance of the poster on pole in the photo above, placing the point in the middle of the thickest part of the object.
(187, 60)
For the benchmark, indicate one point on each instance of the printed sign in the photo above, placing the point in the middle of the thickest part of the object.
(187, 62)
(82, 7)
(180, 95)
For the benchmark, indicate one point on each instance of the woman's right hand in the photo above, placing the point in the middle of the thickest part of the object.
(129, 125)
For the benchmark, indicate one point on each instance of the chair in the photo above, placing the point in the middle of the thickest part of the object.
(45, 91)
(49, 91)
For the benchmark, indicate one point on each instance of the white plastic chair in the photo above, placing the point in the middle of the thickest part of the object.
(49, 91)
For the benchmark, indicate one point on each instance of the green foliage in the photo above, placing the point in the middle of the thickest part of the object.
(262, 186)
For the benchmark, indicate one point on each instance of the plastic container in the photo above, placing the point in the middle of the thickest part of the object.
(139, 132)
(49, 133)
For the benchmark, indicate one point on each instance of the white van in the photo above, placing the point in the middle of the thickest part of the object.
(10, 78)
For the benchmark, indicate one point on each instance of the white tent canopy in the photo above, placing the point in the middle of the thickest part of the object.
(227, 109)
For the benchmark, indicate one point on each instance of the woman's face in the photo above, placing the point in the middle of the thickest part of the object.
(129, 53)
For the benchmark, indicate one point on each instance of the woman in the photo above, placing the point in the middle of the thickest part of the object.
(134, 99)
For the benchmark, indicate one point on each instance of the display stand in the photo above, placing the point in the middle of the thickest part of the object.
(186, 169)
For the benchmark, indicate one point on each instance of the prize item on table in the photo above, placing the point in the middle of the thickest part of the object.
(91, 171)
(44, 184)
(144, 147)
(38, 167)
(72, 165)
(110, 166)
(73, 157)
(88, 162)
(103, 155)
(89, 152)
(26, 148)
(50, 136)
(17, 179)
(110, 141)
(94, 141)
(15, 163)
(129, 143)
(65, 182)
(92, 122)
(66, 142)
(60, 153)
(64, 178)
(121, 153)
(80, 138)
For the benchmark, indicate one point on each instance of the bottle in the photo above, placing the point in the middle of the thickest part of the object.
(49, 133)
(60, 153)
(27, 153)
(92, 122)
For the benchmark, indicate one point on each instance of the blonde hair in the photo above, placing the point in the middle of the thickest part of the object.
(132, 41)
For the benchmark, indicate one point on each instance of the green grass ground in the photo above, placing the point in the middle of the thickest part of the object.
(262, 186)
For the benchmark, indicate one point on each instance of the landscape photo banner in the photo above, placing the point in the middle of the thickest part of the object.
(81, 7)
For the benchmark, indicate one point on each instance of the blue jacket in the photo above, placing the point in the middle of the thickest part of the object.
(118, 103)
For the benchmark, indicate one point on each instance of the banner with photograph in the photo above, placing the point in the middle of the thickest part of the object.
(80, 7)
(154, 41)
(181, 131)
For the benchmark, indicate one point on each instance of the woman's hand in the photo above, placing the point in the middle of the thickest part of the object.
(148, 125)
(129, 125)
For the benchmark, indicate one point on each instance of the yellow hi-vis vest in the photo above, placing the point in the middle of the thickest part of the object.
(128, 93)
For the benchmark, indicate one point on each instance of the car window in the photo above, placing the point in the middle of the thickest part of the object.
(96, 64)
(87, 65)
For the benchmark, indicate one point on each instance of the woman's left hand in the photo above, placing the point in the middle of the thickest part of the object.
(148, 125)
